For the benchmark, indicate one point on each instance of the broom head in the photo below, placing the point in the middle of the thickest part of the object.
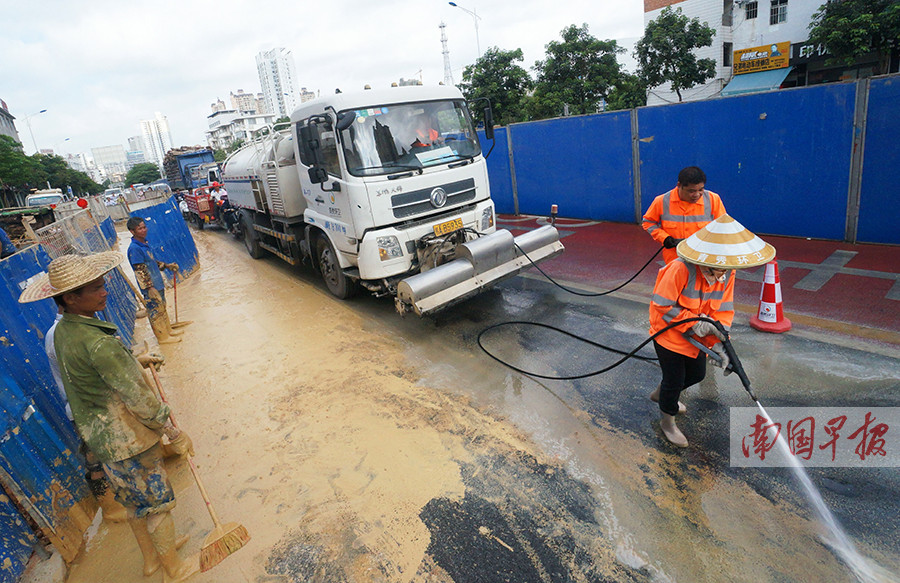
(220, 543)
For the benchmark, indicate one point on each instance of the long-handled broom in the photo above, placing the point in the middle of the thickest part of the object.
(224, 539)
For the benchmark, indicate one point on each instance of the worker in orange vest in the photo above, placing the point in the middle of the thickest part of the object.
(681, 212)
(699, 283)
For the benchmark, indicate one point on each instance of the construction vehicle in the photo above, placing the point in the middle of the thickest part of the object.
(381, 189)
(188, 168)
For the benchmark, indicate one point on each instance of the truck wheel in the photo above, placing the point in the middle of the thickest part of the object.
(251, 241)
(337, 282)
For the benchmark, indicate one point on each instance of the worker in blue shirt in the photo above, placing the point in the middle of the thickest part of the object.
(147, 272)
(7, 247)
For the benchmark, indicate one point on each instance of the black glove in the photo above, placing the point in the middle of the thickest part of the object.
(671, 242)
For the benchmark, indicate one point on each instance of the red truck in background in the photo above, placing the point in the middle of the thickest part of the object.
(201, 207)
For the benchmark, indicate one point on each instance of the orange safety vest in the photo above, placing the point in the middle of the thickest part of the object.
(682, 292)
(430, 134)
(669, 216)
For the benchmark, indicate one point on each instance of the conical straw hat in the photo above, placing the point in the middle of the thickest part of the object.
(725, 244)
(68, 273)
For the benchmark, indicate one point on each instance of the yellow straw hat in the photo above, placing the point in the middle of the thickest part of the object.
(70, 272)
(725, 244)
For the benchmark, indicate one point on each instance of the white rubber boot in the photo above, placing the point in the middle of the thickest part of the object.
(671, 431)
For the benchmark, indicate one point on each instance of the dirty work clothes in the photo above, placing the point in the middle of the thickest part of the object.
(49, 347)
(7, 247)
(678, 373)
(116, 413)
(140, 483)
(669, 216)
(147, 270)
(681, 292)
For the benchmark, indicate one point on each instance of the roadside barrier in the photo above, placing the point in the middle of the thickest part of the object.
(770, 315)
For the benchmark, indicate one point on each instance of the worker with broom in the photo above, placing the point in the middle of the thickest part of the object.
(118, 415)
(148, 272)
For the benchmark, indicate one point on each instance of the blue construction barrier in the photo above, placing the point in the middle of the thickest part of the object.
(781, 160)
(16, 541)
(170, 238)
(879, 196)
(499, 170)
(582, 163)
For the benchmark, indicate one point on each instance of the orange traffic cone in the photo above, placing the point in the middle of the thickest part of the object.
(770, 317)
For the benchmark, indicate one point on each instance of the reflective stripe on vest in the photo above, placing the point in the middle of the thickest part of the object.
(705, 217)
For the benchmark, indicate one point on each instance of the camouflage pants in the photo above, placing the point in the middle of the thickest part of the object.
(141, 484)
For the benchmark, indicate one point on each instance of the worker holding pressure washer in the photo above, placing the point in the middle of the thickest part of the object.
(681, 212)
(698, 288)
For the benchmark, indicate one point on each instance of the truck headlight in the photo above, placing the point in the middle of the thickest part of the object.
(487, 218)
(388, 247)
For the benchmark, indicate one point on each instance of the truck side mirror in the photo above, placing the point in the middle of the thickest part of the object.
(488, 123)
(317, 175)
(345, 119)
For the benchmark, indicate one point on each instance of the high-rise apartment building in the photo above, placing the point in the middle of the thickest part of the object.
(277, 78)
(246, 102)
(112, 160)
(306, 95)
(219, 105)
(157, 138)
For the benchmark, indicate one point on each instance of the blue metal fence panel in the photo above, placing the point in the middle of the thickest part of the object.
(108, 228)
(879, 196)
(780, 160)
(582, 163)
(498, 171)
(170, 238)
(15, 542)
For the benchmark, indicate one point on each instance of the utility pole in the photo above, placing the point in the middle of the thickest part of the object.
(448, 73)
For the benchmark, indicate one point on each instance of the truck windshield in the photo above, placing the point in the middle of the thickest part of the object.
(409, 136)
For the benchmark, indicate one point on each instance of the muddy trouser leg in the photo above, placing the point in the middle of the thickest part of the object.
(159, 320)
(99, 487)
(678, 373)
(145, 543)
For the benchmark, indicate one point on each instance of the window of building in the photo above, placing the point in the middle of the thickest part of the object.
(727, 51)
(727, 12)
(750, 10)
(778, 11)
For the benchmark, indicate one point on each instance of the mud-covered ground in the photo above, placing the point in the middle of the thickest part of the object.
(356, 446)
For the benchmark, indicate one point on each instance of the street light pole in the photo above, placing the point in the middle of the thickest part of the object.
(476, 18)
(28, 123)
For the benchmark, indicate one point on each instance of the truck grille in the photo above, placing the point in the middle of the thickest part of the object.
(419, 201)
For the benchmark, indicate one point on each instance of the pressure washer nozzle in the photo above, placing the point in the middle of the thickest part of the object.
(752, 394)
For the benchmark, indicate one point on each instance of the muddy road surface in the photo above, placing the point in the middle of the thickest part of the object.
(358, 446)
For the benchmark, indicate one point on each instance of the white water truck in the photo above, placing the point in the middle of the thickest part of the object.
(381, 189)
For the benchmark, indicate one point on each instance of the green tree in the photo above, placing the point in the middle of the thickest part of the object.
(282, 119)
(145, 173)
(496, 76)
(628, 93)
(219, 155)
(235, 146)
(53, 169)
(664, 53)
(578, 71)
(850, 29)
(17, 171)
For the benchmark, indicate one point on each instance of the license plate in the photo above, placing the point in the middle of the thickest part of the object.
(448, 227)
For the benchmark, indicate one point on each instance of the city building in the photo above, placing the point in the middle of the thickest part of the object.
(759, 45)
(7, 123)
(277, 78)
(306, 95)
(218, 105)
(112, 161)
(227, 127)
(157, 138)
(247, 102)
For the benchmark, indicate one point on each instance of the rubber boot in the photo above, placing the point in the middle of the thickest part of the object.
(159, 323)
(671, 431)
(163, 537)
(112, 510)
(654, 396)
(145, 543)
(164, 317)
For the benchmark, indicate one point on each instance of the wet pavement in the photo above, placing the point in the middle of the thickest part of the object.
(359, 446)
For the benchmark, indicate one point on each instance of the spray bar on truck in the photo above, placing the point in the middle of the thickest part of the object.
(480, 263)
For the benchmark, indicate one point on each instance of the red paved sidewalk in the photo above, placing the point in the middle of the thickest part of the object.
(850, 288)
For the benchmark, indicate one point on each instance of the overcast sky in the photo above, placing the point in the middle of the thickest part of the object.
(99, 67)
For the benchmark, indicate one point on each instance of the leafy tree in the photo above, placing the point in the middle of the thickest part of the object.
(17, 171)
(850, 29)
(579, 71)
(235, 146)
(664, 52)
(145, 173)
(496, 76)
(53, 169)
(629, 92)
(282, 119)
(219, 155)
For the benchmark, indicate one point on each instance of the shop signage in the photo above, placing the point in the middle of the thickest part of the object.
(808, 51)
(764, 58)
